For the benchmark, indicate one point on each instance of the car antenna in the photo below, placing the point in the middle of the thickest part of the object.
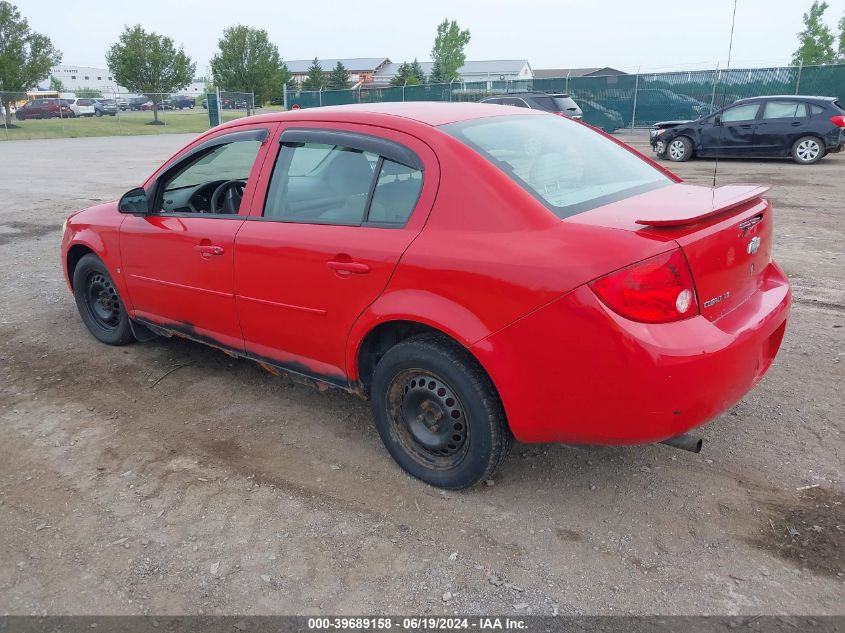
(725, 91)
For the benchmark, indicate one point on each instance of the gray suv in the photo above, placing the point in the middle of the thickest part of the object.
(556, 103)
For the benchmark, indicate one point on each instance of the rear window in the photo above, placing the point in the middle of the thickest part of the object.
(546, 103)
(563, 103)
(84, 102)
(565, 165)
(837, 104)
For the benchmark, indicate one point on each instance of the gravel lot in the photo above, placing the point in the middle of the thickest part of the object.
(221, 489)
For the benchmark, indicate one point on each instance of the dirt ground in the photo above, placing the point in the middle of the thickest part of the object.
(221, 489)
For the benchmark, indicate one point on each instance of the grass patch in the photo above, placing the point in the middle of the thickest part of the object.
(124, 124)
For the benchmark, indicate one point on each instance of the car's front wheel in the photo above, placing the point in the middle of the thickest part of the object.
(438, 413)
(99, 303)
(807, 150)
(679, 149)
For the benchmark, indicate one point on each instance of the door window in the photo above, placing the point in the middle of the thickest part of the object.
(784, 110)
(745, 112)
(329, 183)
(211, 181)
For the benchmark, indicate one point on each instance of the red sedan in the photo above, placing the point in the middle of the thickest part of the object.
(481, 273)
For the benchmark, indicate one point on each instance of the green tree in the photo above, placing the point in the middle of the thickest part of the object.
(417, 72)
(149, 64)
(840, 55)
(25, 56)
(88, 93)
(339, 77)
(816, 40)
(437, 76)
(247, 61)
(448, 48)
(56, 84)
(316, 78)
(405, 76)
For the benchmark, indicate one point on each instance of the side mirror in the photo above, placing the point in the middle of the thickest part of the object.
(134, 201)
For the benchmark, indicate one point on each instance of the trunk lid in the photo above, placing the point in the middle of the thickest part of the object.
(725, 234)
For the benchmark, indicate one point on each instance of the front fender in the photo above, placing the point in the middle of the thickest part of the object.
(418, 306)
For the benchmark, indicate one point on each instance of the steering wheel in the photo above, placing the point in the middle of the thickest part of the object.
(227, 196)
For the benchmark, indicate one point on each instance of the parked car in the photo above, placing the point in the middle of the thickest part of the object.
(803, 128)
(123, 104)
(556, 103)
(81, 106)
(147, 105)
(104, 107)
(180, 102)
(205, 104)
(233, 104)
(480, 273)
(136, 103)
(44, 109)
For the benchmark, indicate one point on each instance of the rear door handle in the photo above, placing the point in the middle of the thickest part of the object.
(207, 250)
(359, 268)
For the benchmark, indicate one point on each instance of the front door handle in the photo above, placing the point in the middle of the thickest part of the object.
(359, 268)
(207, 250)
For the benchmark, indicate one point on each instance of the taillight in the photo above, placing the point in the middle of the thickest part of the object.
(838, 120)
(656, 290)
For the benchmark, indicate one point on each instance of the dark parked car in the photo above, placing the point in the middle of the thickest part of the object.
(180, 102)
(137, 103)
(561, 104)
(803, 128)
(44, 109)
(105, 106)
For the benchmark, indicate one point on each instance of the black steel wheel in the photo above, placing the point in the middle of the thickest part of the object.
(99, 303)
(438, 413)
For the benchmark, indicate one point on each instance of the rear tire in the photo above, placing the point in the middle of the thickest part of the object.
(438, 413)
(679, 149)
(98, 302)
(807, 150)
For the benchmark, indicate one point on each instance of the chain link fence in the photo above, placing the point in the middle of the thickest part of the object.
(45, 114)
(614, 102)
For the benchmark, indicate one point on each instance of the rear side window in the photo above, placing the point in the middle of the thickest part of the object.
(815, 109)
(357, 180)
(566, 166)
(318, 184)
(784, 110)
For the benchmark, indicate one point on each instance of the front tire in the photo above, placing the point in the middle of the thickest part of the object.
(438, 413)
(679, 149)
(807, 150)
(99, 303)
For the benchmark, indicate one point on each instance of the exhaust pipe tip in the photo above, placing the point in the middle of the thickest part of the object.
(685, 442)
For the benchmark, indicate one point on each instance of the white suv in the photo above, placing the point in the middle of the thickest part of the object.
(81, 107)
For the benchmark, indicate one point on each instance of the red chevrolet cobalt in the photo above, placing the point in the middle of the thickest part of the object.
(481, 273)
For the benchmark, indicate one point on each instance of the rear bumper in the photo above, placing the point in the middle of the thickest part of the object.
(576, 372)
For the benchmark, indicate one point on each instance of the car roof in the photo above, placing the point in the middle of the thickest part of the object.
(790, 97)
(427, 112)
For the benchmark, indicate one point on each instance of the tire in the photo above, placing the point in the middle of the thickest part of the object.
(429, 378)
(679, 149)
(191, 107)
(807, 150)
(98, 302)
(98, 113)
(20, 116)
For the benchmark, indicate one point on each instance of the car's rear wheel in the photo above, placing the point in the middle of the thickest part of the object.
(438, 413)
(679, 149)
(807, 150)
(99, 303)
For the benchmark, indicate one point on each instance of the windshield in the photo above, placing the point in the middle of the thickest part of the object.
(565, 165)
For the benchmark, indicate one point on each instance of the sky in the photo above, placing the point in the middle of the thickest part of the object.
(653, 35)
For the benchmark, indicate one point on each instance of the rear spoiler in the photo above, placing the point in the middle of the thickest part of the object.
(696, 203)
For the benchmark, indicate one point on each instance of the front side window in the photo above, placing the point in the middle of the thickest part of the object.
(212, 181)
(566, 166)
(745, 112)
(784, 110)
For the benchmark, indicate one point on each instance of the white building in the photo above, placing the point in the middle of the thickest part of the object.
(75, 77)
(482, 70)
